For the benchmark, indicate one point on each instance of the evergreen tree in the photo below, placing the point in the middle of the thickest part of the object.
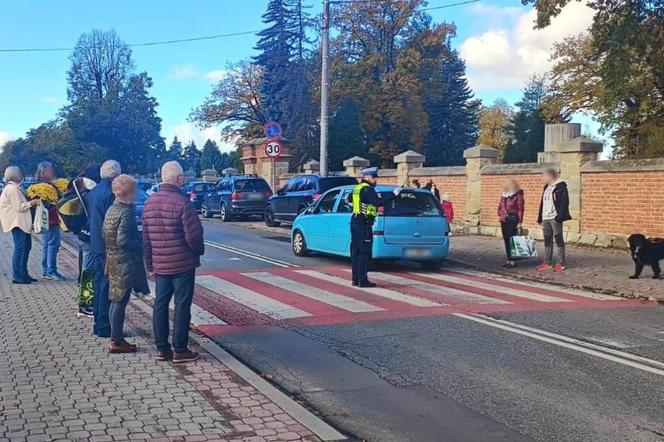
(191, 158)
(452, 117)
(346, 139)
(174, 152)
(526, 129)
(210, 156)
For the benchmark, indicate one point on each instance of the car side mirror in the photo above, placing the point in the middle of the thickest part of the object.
(281, 190)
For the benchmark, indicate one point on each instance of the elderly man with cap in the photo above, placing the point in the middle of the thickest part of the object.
(365, 202)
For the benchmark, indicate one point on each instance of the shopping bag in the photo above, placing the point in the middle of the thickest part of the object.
(522, 247)
(40, 223)
(86, 291)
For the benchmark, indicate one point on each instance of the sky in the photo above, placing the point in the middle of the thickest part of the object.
(495, 37)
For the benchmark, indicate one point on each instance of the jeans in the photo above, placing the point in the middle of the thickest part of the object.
(509, 230)
(553, 230)
(50, 248)
(22, 246)
(116, 314)
(181, 287)
(101, 326)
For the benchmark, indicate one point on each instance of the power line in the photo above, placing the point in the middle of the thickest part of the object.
(136, 45)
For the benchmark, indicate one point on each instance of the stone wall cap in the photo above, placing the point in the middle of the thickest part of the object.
(230, 171)
(409, 156)
(438, 171)
(518, 168)
(311, 165)
(580, 144)
(480, 151)
(633, 165)
(356, 162)
(386, 173)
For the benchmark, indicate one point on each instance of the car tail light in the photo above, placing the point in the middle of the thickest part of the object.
(315, 196)
(378, 233)
(268, 194)
(192, 196)
(380, 210)
(236, 196)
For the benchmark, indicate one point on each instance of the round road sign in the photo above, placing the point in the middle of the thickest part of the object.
(273, 149)
(272, 130)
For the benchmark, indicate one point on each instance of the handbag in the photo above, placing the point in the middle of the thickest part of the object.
(522, 247)
(40, 223)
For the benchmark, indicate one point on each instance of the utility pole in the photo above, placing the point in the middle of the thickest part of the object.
(324, 99)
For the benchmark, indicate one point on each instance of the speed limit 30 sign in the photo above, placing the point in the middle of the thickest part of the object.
(273, 149)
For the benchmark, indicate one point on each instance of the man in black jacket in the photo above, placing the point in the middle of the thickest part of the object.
(553, 212)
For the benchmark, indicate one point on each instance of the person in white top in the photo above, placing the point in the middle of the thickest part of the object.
(16, 218)
(553, 212)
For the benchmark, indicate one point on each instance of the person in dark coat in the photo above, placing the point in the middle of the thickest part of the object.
(365, 203)
(553, 212)
(97, 201)
(124, 259)
(510, 213)
(173, 244)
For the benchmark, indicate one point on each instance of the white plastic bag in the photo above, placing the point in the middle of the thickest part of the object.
(40, 224)
(522, 247)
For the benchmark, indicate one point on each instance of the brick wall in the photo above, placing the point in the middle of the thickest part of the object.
(623, 202)
(456, 187)
(492, 188)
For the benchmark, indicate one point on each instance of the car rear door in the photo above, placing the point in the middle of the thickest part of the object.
(214, 197)
(414, 217)
(339, 224)
(300, 196)
(279, 202)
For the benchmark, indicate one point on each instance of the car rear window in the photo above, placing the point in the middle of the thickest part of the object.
(328, 183)
(412, 204)
(202, 187)
(246, 185)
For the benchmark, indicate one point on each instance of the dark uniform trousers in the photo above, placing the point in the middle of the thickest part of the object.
(361, 243)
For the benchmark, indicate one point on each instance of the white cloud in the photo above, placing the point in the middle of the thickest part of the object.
(182, 72)
(4, 137)
(53, 101)
(510, 50)
(187, 132)
(216, 76)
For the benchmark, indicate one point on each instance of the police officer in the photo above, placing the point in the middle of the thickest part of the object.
(365, 202)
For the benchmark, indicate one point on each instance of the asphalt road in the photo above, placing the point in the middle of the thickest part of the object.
(484, 360)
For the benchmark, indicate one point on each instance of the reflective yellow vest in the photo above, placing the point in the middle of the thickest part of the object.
(360, 207)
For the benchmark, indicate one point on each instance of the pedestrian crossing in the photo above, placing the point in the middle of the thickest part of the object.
(324, 295)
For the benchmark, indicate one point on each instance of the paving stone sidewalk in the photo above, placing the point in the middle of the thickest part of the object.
(601, 270)
(58, 382)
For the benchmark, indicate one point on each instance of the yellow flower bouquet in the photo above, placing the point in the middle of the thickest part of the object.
(61, 184)
(46, 192)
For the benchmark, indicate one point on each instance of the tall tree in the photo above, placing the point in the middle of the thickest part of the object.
(615, 71)
(109, 104)
(526, 129)
(453, 115)
(236, 103)
(493, 125)
(175, 150)
(210, 156)
(346, 138)
(191, 158)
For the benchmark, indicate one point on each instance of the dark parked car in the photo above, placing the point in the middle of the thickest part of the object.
(236, 196)
(297, 194)
(197, 191)
(141, 198)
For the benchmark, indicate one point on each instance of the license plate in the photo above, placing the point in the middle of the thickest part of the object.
(417, 253)
(255, 196)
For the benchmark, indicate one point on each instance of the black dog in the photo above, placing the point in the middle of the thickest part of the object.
(645, 252)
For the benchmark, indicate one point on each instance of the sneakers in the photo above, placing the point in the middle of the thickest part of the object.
(164, 356)
(544, 266)
(187, 356)
(559, 268)
(54, 277)
(85, 312)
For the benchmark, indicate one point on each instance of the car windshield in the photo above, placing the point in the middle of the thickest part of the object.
(246, 185)
(412, 204)
(330, 182)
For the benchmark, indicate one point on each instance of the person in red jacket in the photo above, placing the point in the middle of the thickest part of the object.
(510, 213)
(173, 245)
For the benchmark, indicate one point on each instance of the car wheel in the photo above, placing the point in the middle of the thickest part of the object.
(206, 212)
(224, 213)
(432, 265)
(299, 244)
(268, 217)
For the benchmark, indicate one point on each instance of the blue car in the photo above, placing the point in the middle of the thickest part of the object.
(411, 227)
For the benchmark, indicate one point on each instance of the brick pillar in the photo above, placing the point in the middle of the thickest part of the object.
(476, 158)
(407, 161)
(573, 155)
(354, 165)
